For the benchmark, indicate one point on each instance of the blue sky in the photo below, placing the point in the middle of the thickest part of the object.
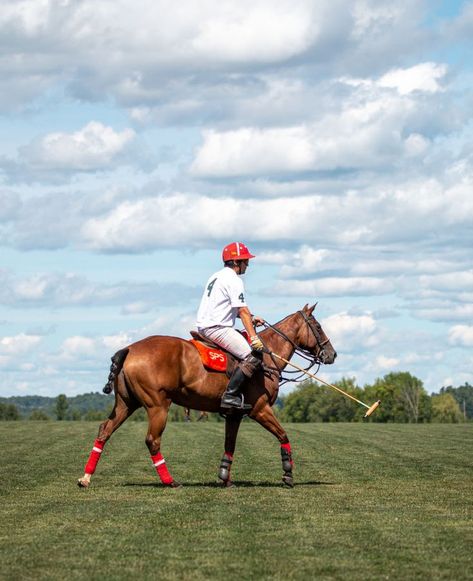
(139, 138)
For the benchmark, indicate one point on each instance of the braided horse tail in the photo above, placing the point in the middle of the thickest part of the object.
(117, 363)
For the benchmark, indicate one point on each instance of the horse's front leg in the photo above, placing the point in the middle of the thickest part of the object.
(232, 425)
(268, 420)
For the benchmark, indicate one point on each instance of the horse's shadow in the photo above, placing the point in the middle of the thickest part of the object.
(236, 483)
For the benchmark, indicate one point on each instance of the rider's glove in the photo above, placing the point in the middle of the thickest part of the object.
(256, 343)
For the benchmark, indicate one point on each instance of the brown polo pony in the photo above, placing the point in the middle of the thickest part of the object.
(161, 370)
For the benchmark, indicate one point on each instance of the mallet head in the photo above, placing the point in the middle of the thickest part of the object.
(372, 408)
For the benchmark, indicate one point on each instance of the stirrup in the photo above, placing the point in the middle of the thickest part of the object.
(242, 407)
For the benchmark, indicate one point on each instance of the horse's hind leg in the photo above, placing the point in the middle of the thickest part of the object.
(268, 420)
(232, 425)
(157, 417)
(122, 410)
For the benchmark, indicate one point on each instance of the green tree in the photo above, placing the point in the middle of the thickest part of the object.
(94, 415)
(37, 415)
(9, 412)
(311, 402)
(297, 404)
(464, 396)
(61, 407)
(445, 409)
(403, 398)
(74, 415)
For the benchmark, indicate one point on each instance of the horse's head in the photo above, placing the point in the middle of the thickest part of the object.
(311, 337)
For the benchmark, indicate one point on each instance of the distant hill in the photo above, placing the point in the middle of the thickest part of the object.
(86, 402)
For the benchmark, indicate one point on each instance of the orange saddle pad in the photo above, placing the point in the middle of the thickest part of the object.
(212, 358)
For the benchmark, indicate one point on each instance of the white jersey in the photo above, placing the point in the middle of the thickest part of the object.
(223, 295)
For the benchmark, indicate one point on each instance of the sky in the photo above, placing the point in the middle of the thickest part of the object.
(139, 137)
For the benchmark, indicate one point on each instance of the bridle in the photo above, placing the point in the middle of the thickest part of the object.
(305, 354)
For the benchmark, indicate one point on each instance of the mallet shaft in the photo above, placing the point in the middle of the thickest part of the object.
(328, 384)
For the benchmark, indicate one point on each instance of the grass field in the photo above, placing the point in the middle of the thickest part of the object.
(371, 501)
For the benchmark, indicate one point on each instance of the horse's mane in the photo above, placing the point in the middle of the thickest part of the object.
(269, 328)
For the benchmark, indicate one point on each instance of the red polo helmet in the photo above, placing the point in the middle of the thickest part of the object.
(236, 251)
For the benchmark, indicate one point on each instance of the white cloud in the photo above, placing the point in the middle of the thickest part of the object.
(442, 311)
(12, 348)
(424, 208)
(350, 332)
(383, 362)
(461, 335)
(364, 131)
(18, 344)
(128, 48)
(422, 77)
(30, 16)
(93, 147)
(171, 59)
(70, 290)
(78, 347)
(248, 31)
(253, 151)
(136, 308)
(115, 342)
(9, 205)
(306, 259)
(331, 286)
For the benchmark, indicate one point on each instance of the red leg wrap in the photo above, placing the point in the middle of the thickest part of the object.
(94, 457)
(161, 468)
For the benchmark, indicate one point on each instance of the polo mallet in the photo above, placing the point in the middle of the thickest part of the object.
(371, 408)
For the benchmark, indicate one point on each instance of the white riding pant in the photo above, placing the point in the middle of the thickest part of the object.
(228, 338)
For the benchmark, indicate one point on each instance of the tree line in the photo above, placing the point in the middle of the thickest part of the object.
(403, 399)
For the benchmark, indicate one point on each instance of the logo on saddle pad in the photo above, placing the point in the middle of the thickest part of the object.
(211, 358)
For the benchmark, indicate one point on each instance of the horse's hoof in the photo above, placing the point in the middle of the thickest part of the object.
(174, 484)
(228, 484)
(288, 481)
(83, 483)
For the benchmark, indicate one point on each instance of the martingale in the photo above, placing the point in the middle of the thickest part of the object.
(211, 358)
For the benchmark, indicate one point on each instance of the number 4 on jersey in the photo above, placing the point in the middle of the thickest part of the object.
(210, 286)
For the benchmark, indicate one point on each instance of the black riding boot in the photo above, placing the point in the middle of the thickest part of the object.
(232, 398)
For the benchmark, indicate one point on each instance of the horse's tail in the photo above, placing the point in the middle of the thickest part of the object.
(117, 363)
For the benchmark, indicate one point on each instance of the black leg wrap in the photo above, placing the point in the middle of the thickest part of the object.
(224, 470)
(287, 477)
(286, 460)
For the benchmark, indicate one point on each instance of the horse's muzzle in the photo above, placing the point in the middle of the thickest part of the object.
(327, 356)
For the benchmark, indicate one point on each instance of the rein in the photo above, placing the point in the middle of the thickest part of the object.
(300, 351)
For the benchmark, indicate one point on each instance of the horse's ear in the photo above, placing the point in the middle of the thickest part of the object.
(311, 309)
(306, 307)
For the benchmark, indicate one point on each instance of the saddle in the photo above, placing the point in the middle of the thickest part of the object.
(213, 357)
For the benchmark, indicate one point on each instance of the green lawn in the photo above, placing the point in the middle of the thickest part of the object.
(371, 501)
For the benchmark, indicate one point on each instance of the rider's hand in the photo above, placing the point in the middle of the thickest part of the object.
(256, 343)
(258, 321)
